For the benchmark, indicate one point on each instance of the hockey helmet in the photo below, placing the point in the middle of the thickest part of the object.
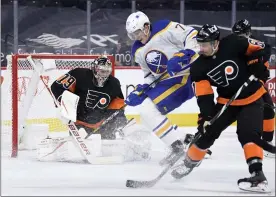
(135, 24)
(241, 27)
(102, 69)
(208, 33)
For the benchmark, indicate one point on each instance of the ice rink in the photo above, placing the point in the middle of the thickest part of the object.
(215, 176)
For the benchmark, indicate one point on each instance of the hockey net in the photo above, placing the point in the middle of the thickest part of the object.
(25, 100)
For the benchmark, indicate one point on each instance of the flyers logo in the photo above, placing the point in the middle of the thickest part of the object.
(95, 99)
(225, 72)
(256, 42)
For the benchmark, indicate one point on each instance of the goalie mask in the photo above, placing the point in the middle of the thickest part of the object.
(102, 69)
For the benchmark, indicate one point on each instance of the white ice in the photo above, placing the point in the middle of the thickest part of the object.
(215, 176)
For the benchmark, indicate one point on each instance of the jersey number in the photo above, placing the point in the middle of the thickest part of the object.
(66, 80)
(179, 25)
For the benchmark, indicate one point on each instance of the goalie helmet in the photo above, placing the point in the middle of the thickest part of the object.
(135, 24)
(102, 69)
(242, 27)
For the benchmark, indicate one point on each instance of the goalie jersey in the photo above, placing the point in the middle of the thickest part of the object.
(166, 39)
(95, 103)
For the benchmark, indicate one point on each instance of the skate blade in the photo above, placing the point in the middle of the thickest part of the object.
(269, 155)
(260, 188)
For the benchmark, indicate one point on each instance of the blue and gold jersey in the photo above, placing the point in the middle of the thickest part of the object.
(166, 38)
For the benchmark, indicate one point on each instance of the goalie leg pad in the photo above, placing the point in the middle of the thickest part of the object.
(52, 149)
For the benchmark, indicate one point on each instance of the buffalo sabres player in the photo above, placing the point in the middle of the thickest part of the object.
(243, 28)
(226, 64)
(157, 45)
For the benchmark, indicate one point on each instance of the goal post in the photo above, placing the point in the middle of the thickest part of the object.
(24, 98)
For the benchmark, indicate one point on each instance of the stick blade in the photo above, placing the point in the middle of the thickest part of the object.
(137, 184)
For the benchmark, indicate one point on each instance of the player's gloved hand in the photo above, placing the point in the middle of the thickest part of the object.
(259, 71)
(203, 124)
(256, 65)
(137, 96)
(179, 61)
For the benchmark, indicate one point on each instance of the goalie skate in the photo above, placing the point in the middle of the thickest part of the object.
(256, 183)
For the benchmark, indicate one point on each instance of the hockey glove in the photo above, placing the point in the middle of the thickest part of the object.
(137, 96)
(257, 66)
(202, 123)
(179, 60)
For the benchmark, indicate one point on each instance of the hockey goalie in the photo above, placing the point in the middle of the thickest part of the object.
(87, 97)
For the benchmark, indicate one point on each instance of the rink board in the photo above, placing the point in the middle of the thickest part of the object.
(185, 115)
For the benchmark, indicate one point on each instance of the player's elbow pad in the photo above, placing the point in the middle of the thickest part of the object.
(206, 105)
(259, 56)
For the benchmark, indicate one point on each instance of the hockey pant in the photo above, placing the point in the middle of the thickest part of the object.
(166, 96)
(269, 118)
(249, 126)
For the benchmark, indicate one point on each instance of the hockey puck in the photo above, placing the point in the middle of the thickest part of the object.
(130, 183)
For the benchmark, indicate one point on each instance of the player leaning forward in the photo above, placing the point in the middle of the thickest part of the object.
(156, 45)
(100, 95)
(227, 64)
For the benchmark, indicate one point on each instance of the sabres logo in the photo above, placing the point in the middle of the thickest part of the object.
(156, 61)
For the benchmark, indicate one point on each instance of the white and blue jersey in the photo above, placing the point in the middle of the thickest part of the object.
(166, 39)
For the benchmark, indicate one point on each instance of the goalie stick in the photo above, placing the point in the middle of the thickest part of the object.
(77, 138)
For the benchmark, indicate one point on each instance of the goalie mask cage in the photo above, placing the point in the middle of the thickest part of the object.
(25, 100)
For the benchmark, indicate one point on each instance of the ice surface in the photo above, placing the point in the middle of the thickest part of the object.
(215, 176)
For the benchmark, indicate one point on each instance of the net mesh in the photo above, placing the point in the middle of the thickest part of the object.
(42, 109)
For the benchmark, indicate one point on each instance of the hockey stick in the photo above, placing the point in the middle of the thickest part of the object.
(77, 138)
(123, 107)
(262, 143)
(106, 121)
(150, 183)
